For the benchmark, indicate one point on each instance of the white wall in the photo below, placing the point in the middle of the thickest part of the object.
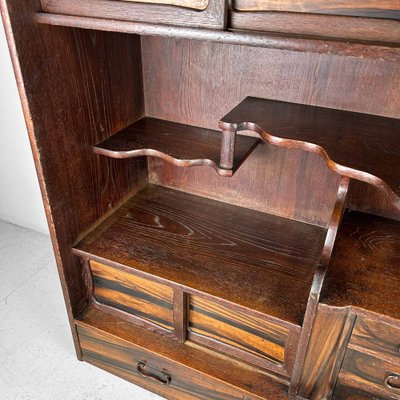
(20, 199)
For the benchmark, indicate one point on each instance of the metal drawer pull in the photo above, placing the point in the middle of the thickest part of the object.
(165, 378)
(392, 381)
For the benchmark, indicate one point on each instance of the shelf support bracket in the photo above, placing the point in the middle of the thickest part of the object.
(228, 148)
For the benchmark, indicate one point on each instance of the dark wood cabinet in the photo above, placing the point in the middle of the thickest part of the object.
(221, 181)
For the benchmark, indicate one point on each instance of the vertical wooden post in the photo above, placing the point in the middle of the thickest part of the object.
(228, 148)
(180, 314)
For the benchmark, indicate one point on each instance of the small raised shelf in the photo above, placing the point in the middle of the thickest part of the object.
(260, 261)
(179, 144)
(364, 270)
(360, 146)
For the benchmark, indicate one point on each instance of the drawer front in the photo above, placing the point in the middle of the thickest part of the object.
(372, 20)
(389, 9)
(230, 330)
(132, 294)
(370, 375)
(195, 13)
(155, 373)
(376, 336)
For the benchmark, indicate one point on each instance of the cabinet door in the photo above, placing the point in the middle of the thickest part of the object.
(349, 19)
(193, 13)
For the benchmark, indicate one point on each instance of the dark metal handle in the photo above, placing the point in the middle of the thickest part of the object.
(390, 376)
(165, 378)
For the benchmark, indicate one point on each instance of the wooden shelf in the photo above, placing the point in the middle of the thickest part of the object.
(361, 146)
(182, 145)
(364, 270)
(349, 48)
(250, 258)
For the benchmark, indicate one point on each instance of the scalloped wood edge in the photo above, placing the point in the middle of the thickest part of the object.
(175, 161)
(340, 169)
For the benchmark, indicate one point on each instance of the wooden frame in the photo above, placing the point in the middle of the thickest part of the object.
(213, 16)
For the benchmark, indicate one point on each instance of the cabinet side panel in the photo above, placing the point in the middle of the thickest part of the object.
(329, 338)
(77, 87)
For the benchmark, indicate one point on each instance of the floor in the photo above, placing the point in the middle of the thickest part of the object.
(37, 358)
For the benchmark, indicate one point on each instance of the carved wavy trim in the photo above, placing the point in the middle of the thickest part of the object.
(340, 169)
(159, 154)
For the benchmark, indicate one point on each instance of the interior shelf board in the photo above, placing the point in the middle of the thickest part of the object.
(349, 48)
(179, 144)
(364, 270)
(361, 146)
(257, 260)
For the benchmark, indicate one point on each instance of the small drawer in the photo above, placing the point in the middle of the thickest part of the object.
(157, 373)
(238, 333)
(376, 378)
(376, 336)
(133, 295)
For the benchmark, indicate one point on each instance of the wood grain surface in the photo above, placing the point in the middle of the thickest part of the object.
(237, 329)
(357, 8)
(376, 335)
(133, 294)
(181, 145)
(88, 103)
(122, 359)
(114, 344)
(365, 372)
(374, 31)
(253, 259)
(329, 337)
(363, 269)
(381, 44)
(213, 16)
(359, 146)
(193, 4)
(268, 180)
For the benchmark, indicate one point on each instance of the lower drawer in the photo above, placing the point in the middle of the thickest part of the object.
(377, 336)
(367, 377)
(163, 375)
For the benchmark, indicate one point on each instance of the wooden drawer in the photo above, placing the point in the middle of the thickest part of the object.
(157, 373)
(389, 9)
(347, 19)
(369, 377)
(241, 333)
(197, 13)
(134, 295)
(376, 336)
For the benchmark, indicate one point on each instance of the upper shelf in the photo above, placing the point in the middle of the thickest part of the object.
(360, 146)
(182, 145)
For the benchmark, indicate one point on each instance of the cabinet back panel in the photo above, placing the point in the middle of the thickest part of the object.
(198, 82)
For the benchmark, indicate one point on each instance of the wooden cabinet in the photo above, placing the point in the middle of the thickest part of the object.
(222, 185)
